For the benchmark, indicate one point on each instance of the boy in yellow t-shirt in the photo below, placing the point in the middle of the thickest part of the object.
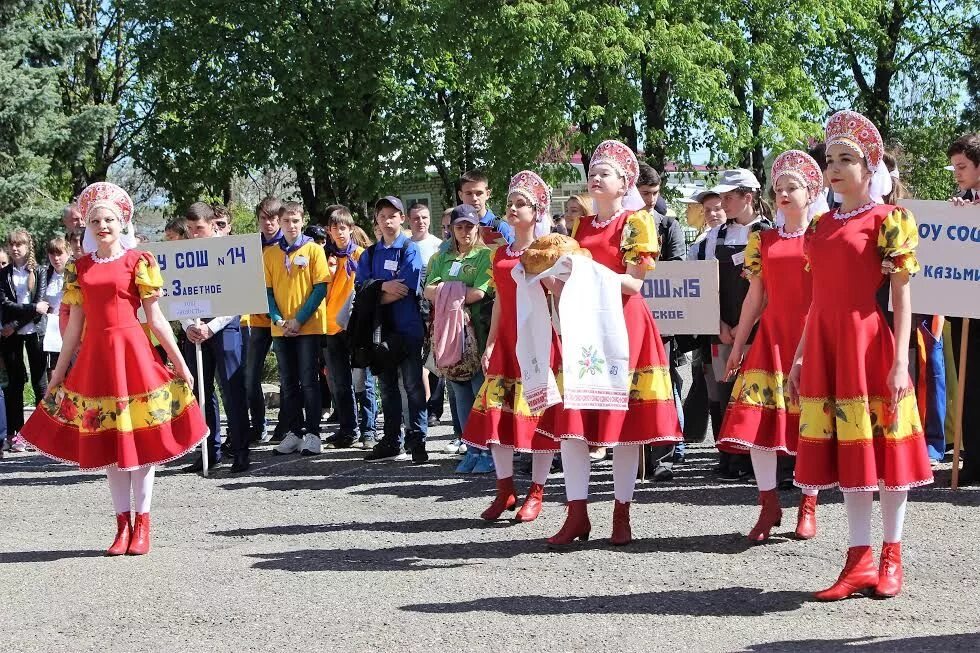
(343, 254)
(296, 277)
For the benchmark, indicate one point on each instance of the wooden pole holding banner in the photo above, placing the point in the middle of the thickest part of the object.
(199, 355)
(960, 392)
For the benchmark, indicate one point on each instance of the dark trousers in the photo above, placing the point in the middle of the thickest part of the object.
(410, 370)
(13, 349)
(221, 356)
(299, 362)
(259, 343)
(336, 353)
(437, 395)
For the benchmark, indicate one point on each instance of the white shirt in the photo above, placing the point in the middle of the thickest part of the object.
(19, 277)
(427, 247)
(738, 234)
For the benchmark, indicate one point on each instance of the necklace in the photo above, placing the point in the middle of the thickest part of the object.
(108, 259)
(606, 223)
(511, 253)
(791, 234)
(858, 211)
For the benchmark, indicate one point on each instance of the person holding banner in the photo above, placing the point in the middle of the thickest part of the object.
(501, 419)
(859, 423)
(624, 240)
(119, 408)
(761, 418)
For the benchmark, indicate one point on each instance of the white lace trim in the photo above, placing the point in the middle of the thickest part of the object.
(874, 488)
(606, 223)
(665, 439)
(75, 463)
(791, 234)
(110, 259)
(497, 442)
(858, 211)
(745, 444)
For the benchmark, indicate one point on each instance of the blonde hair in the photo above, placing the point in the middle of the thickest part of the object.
(23, 235)
(477, 242)
(361, 237)
(584, 200)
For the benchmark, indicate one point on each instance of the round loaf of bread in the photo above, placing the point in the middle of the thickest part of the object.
(546, 250)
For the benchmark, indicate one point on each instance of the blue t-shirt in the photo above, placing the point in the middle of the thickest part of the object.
(504, 227)
(401, 260)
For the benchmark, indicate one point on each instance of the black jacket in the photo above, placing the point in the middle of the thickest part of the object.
(18, 314)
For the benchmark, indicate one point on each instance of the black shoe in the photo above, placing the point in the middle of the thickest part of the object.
(338, 441)
(733, 476)
(678, 458)
(241, 463)
(333, 419)
(663, 473)
(968, 476)
(381, 451)
(420, 455)
(433, 420)
(786, 484)
(197, 466)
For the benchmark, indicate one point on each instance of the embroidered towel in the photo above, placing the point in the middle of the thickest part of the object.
(449, 320)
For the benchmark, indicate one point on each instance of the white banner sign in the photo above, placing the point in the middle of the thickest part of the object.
(206, 277)
(683, 297)
(949, 253)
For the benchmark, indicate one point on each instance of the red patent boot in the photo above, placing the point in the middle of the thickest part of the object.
(576, 526)
(806, 518)
(506, 499)
(770, 516)
(140, 544)
(621, 532)
(532, 504)
(890, 570)
(859, 576)
(124, 531)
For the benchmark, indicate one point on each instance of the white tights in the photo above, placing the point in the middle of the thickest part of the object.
(503, 462)
(575, 461)
(858, 504)
(764, 467)
(137, 484)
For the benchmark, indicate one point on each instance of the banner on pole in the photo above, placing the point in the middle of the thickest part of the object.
(949, 253)
(205, 277)
(683, 297)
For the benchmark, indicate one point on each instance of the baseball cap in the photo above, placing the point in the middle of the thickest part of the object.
(464, 213)
(737, 178)
(389, 200)
(699, 197)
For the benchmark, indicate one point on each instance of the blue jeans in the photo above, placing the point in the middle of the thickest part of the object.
(259, 342)
(367, 401)
(336, 354)
(464, 394)
(410, 370)
(298, 358)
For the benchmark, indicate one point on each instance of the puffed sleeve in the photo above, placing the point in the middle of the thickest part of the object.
(753, 256)
(149, 281)
(72, 293)
(897, 239)
(640, 245)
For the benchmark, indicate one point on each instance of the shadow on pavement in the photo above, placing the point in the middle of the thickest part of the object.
(420, 526)
(728, 601)
(957, 642)
(9, 557)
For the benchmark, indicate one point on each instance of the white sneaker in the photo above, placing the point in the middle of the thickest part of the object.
(19, 444)
(461, 449)
(453, 446)
(290, 444)
(403, 456)
(312, 445)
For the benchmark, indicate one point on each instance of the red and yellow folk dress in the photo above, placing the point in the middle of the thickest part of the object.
(500, 412)
(761, 414)
(851, 435)
(629, 238)
(119, 405)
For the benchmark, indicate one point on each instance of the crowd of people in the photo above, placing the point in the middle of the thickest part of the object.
(813, 378)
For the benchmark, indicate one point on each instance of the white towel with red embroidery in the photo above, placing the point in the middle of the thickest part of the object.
(595, 345)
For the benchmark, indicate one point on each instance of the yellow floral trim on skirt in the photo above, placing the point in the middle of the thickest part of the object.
(92, 415)
(763, 389)
(506, 395)
(858, 419)
(651, 384)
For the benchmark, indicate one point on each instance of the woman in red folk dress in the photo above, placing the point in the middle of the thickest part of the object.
(762, 418)
(859, 424)
(625, 241)
(501, 419)
(119, 408)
